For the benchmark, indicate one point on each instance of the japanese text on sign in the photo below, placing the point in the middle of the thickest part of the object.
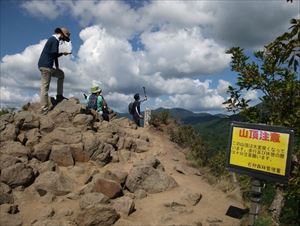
(259, 150)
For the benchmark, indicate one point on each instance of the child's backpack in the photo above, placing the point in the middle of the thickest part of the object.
(131, 108)
(92, 102)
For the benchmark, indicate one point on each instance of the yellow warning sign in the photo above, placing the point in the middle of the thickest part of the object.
(261, 150)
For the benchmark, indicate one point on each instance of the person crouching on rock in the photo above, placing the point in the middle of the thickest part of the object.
(96, 102)
(49, 56)
(137, 109)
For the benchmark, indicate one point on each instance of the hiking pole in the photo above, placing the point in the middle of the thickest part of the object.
(144, 91)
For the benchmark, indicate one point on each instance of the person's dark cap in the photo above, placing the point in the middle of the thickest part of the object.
(136, 96)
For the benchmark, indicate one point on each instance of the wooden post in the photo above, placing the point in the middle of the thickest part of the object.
(256, 192)
(147, 117)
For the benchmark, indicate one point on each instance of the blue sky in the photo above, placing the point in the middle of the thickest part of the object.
(176, 49)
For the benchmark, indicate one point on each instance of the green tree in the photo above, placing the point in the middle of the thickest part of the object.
(275, 75)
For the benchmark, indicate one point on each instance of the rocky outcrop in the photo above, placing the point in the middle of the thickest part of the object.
(49, 157)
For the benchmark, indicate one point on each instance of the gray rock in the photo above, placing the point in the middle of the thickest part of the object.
(142, 146)
(53, 182)
(5, 196)
(150, 179)
(99, 215)
(42, 151)
(92, 199)
(116, 175)
(110, 188)
(78, 153)
(120, 143)
(17, 175)
(68, 106)
(8, 133)
(140, 194)
(124, 205)
(15, 149)
(46, 124)
(26, 120)
(7, 160)
(82, 120)
(63, 136)
(7, 219)
(102, 154)
(33, 136)
(190, 198)
(62, 155)
(90, 142)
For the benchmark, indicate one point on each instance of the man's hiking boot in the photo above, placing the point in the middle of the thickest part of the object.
(60, 98)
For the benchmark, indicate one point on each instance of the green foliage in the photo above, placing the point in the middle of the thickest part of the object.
(263, 221)
(218, 163)
(159, 118)
(4, 111)
(275, 74)
(290, 212)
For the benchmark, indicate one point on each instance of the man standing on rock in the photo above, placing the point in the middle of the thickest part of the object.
(137, 109)
(49, 56)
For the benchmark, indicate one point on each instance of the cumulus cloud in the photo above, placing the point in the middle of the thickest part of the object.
(251, 95)
(181, 53)
(222, 86)
(48, 9)
(250, 24)
(208, 102)
(180, 40)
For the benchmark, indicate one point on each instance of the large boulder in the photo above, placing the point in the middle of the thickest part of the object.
(17, 175)
(61, 135)
(92, 199)
(78, 153)
(53, 182)
(124, 205)
(42, 151)
(70, 107)
(82, 120)
(62, 155)
(26, 120)
(14, 148)
(100, 215)
(91, 144)
(9, 132)
(110, 188)
(149, 178)
(5, 194)
(46, 124)
(32, 136)
(7, 160)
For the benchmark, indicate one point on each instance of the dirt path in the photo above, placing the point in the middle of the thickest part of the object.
(152, 211)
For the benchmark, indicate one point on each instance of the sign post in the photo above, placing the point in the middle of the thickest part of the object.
(263, 152)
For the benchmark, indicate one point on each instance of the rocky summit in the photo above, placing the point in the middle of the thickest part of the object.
(69, 168)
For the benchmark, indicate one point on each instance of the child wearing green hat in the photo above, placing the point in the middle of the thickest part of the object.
(96, 101)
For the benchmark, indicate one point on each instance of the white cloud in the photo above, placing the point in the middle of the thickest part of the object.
(48, 9)
(251, 95)
(250, 24)
(222, 86)
(208, 102)
(182, 39)
(181, 53)
(15, 97)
